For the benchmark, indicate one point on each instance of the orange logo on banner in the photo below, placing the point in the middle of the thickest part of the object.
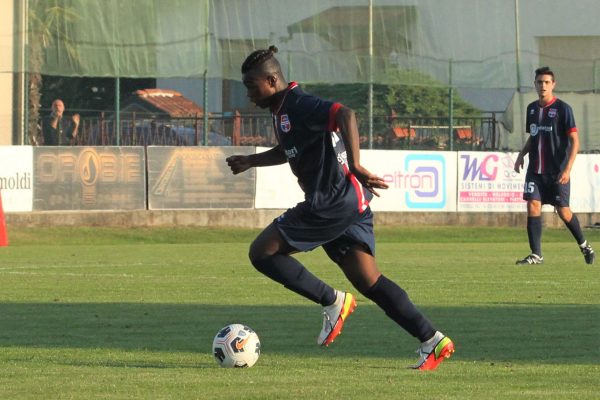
(3, 234)
(89, 170)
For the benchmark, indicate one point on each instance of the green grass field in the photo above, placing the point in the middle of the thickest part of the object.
(98, 313)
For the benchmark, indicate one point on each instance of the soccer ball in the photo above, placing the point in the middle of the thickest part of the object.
(236, 346)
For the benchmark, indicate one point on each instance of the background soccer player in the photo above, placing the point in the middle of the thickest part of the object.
(552, 146)
(319, 140)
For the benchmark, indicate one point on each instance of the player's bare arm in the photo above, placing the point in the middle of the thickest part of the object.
(241, 163)
(346, 121)
(565, 174)
(520, 161)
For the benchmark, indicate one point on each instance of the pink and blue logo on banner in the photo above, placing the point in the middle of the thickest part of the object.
(488, 182)
(426, 174)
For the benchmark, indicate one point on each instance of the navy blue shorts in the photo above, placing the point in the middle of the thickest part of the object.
(305, 231)
(546, 189)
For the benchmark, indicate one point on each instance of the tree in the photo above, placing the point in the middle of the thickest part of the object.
(46, 25)
(408, 93)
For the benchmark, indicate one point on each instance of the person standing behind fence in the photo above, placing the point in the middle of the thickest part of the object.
(56, 130)
(552, 146)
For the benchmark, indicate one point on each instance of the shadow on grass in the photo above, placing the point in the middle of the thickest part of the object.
(551, 334)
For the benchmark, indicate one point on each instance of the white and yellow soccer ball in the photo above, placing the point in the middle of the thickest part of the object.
(236, 346)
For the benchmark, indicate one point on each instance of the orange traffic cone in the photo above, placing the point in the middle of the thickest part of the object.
(3, 234)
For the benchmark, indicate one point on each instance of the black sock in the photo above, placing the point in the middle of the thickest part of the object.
(575, 229)
(534, 232)
(290, 273)
(394, 301)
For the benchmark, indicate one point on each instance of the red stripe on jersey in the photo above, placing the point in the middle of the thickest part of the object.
(549, 103)
(332, 124)
(571, 130)
(363, 203)
(291, 86)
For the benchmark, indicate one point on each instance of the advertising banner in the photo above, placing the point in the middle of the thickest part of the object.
(487, 182)
(16, 182)
(276, 186)
(197, 177)
(585, 184)
(418, 180)
(89, 178)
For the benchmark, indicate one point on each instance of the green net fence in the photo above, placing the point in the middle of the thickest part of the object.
(486, 49)
(464, 43)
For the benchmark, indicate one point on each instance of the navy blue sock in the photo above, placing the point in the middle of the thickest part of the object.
(394, 301)
(575, 229)
(534, 233)
(290, 273)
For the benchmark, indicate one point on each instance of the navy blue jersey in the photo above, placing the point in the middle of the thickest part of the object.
(306, 130)
(549, 127)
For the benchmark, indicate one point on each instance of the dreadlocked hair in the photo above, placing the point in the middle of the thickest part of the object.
(259, 57)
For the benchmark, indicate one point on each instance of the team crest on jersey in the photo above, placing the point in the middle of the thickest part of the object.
(533, 129)
(285, 123)
(552, 112)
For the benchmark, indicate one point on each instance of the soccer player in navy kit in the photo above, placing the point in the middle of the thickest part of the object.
(552, 146)
(319, 140)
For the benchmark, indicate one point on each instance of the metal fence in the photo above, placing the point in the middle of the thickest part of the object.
(435, 133)
(229, 129)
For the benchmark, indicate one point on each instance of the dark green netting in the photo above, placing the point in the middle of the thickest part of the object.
(465, 43)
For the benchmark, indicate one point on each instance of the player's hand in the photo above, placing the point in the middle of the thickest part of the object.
(370, 181)
(563, 177)
(76, 119)
(519, 162)
(238, 164)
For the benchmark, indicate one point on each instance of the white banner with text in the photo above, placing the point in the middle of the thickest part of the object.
(418, 181)
(16, 182)
(276, 186)
(585, 184)
(487, 182)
